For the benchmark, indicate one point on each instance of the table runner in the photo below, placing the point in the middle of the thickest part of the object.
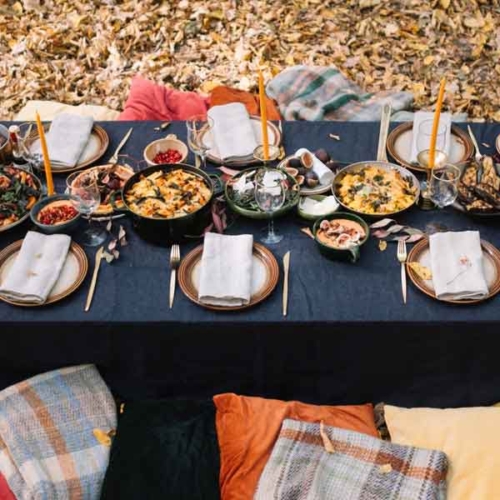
(347, 337)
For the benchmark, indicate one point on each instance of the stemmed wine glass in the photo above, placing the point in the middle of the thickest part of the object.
(87, 198)
(270, 193)
(198, 127)
(444, 185)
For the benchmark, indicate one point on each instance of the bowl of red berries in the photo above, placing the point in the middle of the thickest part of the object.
(56, 214)
(167, 150)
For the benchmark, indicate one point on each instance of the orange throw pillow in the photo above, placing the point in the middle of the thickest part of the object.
(248, 427)
(226, 95)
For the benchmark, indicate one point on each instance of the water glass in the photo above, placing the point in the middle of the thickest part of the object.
(444, 185)
(83, 186)
(198, 127)
(270, 194)
(425, 133)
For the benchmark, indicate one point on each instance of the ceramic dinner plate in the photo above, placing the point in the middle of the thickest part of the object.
(274, 140)
(491, 265)
(265, 275)
(72, 275)
(400, 140)
(95, 149)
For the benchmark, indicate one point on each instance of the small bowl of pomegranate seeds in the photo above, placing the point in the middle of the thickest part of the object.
(165, 151)
(55, 214)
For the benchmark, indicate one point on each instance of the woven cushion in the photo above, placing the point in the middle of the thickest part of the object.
(357, 467)
(247, 428)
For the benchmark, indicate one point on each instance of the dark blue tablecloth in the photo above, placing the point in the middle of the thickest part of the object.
(347, 338)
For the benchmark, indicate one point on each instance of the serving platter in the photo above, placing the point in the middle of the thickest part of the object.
(95, 149)
(400, 139)
(274, 140)
(420, 253)
(265, 275)
(72, 274)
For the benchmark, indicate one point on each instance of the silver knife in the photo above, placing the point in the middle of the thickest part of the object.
(114, 158)
(286, 269)
(98, 258)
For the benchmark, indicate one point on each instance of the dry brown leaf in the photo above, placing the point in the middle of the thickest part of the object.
(382, 245)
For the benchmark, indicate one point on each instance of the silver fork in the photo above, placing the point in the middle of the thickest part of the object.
(402, 258)
(477, 156)
(175, 260)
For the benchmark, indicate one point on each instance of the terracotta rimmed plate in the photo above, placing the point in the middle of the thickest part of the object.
(274, 140)
(400, 139)
(95, 149)
(265, 275)
(491, 265)
(497, 144)
(72, 275)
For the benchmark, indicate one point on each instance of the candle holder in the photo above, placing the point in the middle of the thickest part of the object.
(274, 153)
(440, 159)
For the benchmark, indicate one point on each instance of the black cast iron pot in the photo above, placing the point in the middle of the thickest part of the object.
(168, 231)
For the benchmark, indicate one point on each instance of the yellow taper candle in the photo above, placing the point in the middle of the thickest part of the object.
(435, 125)
(45, 153)
(263, 116)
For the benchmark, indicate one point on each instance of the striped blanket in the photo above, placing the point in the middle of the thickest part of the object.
(316, 93)
(355, 467)
(48, 450)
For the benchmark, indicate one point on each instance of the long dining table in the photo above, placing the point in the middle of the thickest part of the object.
(347, 338)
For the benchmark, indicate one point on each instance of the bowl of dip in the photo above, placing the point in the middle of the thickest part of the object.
(339, 236)
(55, 214)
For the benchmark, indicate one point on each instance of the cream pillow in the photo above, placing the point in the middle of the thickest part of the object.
(50, 109)
(470, 437)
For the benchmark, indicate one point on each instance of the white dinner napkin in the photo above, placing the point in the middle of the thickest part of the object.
(226, 270)
(232, 131)
(421, 116)
(37, 267)
(67, 138)
(325, 175)
(457, 265)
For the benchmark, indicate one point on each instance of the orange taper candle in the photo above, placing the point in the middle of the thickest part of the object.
(435, 125)
(45, 153)
(263, 116)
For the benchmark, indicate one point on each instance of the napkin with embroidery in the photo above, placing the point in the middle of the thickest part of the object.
(226, 270)
(457, 265)
(232, 131)
(37, 268)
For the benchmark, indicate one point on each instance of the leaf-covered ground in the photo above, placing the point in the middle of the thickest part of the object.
(86, 52)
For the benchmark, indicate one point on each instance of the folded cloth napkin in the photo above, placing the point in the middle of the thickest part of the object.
(457, 265)
(37, 268)
(232, 131)
(67, 138)
(325, 175)
(308, 462)
(48, 448)
(226, 270)
(421, 138)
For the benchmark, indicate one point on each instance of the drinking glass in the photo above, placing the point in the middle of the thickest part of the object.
(424, 136)
(273, 154)
(198, 127)
(84, 187)
(444, 185)
(270, 193)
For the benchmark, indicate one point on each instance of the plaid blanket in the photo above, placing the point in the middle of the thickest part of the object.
(360, 467)
(47, 446)
(315, 93)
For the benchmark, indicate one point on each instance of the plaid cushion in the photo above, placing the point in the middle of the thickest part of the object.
(360, 468)
(316, 93)
(47, 446)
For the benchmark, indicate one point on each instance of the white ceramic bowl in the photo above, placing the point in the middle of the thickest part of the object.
(169, 142)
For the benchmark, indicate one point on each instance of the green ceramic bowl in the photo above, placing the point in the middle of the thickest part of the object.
(350, 254)
(307, 216)
(65, 227)
(292, 200)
